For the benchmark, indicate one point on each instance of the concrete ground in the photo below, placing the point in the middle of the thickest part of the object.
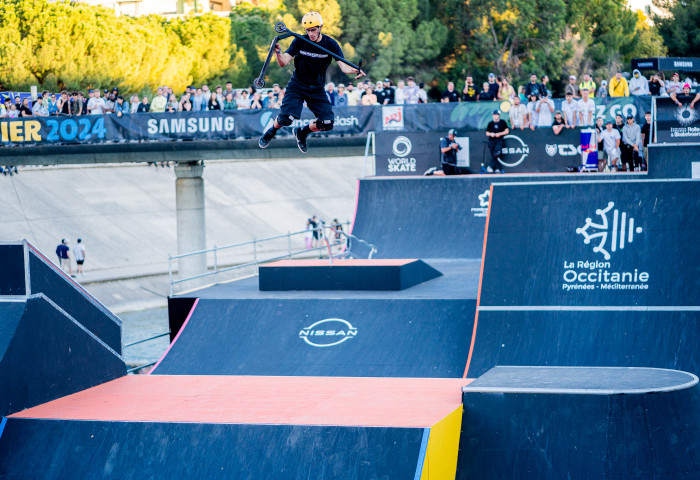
(125, 215)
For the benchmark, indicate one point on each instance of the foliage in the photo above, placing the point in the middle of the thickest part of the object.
(679, 26)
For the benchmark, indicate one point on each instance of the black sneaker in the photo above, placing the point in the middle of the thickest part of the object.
(266, 137)
(301, 140)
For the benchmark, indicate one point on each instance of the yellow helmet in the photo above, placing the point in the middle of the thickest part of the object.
(312, 19)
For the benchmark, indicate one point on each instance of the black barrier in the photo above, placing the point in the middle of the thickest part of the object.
(674, 160)
(230, 124)
(676, 124)
(525, 151)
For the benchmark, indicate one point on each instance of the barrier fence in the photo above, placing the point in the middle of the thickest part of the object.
(235, 124)
(676, 124)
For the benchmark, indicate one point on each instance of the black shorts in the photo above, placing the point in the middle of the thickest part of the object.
(80, 262)
(315, 97)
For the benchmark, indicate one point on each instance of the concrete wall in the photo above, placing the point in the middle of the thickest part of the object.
(126, 214)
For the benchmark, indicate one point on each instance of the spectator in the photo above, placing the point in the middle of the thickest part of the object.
(469, 93)
(434, 94)
(544, 87)
(78, 103)
(53, 106)
(610, 138)
(341, 99)
(186, 104)
(331, 93)
(674, 86)
(532, 87)
(618, 86)
(521, 94)
(173, 105)
(369, 98)
(105, 101)
(3, 108)
(495, 131)
(485, 94)
(518, 115)
(588, 84)
(399, 93)
(206, 95)
(532, 113)
(214, 103)
(656, 86)
(95, 105)
(545, 109)
(586, 109)
(24, 109)
(506, 91)
(354, 95)
(639, 84)
(600, 126)
(603, 90)
(256, 104)
(62, 250)
(79, 250)
(281, 97)
(229, 89)
(268, 102)
(109, 103)
(390, 94)
(143, 107)
(159, 102)
(63, 104)
(558, 124)
(276, 90)
(572, 88)
(12, 112)
(411, 92)
(619, 123)
(422, 94)
(631, 139)
(121, 108)
(198, 101)
(493, 86)
(243, 101)
(448, 154)
(380, 93)
(569, 110)
(685, 97)
(449, 95)
(220, 94)
(134, 104)
(39, 109)
(646, 135)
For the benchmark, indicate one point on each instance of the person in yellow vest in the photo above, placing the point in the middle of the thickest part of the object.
(618, 86)
(588, 84)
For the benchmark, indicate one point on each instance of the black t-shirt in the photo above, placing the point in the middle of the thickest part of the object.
(389, 93)
(486, 96)
(310, 63)
(493, 88)
(646, 130)
(496, 127)
(532, 89)
(381, 96)
(25, 111)
(655, 88)
(558, 122)
(451, 156)
(453, 95)
(470, 95)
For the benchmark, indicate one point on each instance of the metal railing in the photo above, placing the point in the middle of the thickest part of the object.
(325, 231)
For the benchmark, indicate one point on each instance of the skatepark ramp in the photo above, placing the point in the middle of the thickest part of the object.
(55, 338)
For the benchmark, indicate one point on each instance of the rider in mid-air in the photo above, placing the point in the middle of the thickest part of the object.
(307, 82)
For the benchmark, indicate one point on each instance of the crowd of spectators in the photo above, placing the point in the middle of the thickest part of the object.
(532, 104)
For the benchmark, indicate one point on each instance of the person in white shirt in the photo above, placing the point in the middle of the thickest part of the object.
(518, 115)
(532, 111)
(399, 96)
(96, 104)
(586, 110)
(79, 254)
(545, 109)
(569, 109)
(610, 138)
(674, 86)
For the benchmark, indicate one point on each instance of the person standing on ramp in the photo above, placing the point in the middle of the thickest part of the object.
(307, 82)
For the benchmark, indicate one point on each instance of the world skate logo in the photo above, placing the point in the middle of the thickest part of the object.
(402, 146)
(685, 115)
(619, 231)
(328, 332)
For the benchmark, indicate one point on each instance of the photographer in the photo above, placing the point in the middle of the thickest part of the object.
(448, 149)
(496, 130)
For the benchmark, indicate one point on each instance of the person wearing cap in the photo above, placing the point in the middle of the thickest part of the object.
(629, 147)
(572, 88)
(450, 95)
(639, 85)
(586, 109)
(674, 85)
(532, 87)
(448, 154)
(610, 138)
(341, 99)
(493, 85)
(618, 86)
(495, 131)
(603, 90)
(389, 92)
(558, 124)
(588, 84)
(569, 110)
(685, 97)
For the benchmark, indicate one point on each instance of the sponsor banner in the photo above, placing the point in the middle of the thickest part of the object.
(406, 153)
(687, 64)
(676, 124)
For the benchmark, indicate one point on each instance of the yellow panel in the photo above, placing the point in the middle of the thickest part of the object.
(443, 447)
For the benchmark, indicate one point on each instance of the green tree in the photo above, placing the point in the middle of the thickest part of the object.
(679, 26)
